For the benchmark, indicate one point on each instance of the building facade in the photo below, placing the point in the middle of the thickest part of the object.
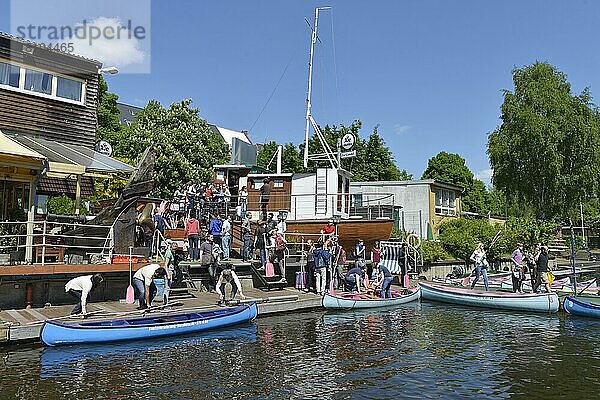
(48, 121)
(424, 204)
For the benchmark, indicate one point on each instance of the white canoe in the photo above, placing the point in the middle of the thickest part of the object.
(540, 302)
(347, 301)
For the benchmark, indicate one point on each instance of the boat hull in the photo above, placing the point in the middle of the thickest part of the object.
(349, 230)
(575, 306)
(349, 301)
(59, 333)
(544, 302)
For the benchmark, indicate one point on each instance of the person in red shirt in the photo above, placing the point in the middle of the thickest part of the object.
(328, 229)
(192, 231)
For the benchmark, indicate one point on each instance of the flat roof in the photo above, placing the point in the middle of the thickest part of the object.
(409, 183)
(73, 157)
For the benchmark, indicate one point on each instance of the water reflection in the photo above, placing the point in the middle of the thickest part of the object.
(422, 350)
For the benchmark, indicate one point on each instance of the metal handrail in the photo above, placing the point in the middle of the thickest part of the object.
(46, 233)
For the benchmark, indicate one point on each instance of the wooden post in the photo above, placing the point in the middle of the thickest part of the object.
(44, 242)
(29, 239)
(78, 195)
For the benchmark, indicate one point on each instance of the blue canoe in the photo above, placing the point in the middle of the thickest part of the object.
(575, 306)
(116, 330)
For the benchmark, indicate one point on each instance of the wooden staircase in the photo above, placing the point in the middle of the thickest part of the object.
(559, 248)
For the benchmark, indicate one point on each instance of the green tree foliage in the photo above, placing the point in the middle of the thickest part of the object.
(530, 231)
(459, 237)
(449, 168)
(64, 205)
(109, 129)
(186, 148)
(546, 152)
(476, 198)
(374, 161)
(291, 160)
(452, 168)
(497, 203)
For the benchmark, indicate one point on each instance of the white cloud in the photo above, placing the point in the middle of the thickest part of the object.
(119, 52)
(485, 176)
(401, 129)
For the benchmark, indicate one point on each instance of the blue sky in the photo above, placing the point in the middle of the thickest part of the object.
(429, 73)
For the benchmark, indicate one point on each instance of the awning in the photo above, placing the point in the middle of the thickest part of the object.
(12, 152)
(69, 159)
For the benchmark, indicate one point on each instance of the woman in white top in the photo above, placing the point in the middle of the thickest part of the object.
(243, 201)
(80, 288)
(481, 264)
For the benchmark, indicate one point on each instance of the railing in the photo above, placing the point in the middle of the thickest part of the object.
(299, 206)
(35, 241)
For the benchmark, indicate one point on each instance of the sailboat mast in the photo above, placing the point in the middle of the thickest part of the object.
(309, 91)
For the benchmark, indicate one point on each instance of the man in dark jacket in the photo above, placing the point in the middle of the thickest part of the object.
(265, 193)
(260, 235)
(542, 271)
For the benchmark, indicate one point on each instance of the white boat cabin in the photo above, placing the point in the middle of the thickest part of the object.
(305, 196)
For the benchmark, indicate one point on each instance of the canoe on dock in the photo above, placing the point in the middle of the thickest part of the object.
(349, 301)
(56, 333)
(577, 306)
(542, 302)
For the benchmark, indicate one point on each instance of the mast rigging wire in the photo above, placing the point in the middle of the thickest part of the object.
(272, 93)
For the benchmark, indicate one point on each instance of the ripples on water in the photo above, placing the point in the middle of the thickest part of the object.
(419, 351)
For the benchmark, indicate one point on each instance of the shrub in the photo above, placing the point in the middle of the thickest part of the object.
(433, 251)
(64, 205)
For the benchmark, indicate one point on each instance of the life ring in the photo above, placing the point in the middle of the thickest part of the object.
(413, 240)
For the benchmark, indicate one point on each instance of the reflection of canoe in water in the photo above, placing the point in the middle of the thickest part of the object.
(58, 333)
(67, 360)
(348, 301)
(582, 308)
(543, 302)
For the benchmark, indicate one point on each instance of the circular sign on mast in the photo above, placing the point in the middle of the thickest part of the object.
(348, 141)
(103, 147)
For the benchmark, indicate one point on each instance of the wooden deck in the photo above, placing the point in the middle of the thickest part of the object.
(61, 269)
(18, 325)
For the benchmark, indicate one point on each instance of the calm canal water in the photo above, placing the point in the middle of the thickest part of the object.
(425, 350)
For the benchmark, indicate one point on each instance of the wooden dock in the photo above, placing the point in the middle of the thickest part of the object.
(18, 326)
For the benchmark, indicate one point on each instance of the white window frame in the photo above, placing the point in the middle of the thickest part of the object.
(448, 209)
(52, 96)
(277, 183)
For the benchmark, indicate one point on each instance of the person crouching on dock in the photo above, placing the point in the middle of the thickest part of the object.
(80, 288)
(229, 276)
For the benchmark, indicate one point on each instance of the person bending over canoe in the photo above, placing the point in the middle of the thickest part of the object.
(229, 276)
(385, 280)
(80, 288)
(354, 278)
(143, 282)
(478, 257)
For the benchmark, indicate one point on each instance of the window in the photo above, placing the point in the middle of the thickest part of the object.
(36, 81)
(68, 88)
(358, 199)
(46, 84)
(9, 75)
(278, 183)
(445, 202)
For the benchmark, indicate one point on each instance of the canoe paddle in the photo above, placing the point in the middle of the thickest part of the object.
(150, 309)
(130, 296)
(66, 317)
